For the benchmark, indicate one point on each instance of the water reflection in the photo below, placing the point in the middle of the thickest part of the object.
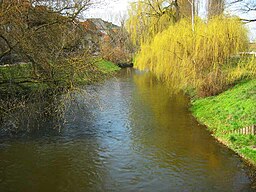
(135, 136)
(35, 113)
(183, 150)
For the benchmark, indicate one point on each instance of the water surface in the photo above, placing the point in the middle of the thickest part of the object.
(136, 136)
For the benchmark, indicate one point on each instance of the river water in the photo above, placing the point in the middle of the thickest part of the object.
(127, 134)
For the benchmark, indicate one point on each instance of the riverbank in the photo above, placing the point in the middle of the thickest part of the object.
(107, 66)
(232, 110)
(20, 77)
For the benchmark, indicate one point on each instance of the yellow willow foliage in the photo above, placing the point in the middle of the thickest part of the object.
(149, 17)
(146, 19)
(245, 68)
(199, 60)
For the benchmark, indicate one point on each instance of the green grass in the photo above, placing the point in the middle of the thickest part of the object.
(231, 110)
(19, 78)
(15, 72)
(10, 76)
(107, 66)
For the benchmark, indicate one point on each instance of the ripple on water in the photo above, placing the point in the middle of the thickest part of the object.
(135, 137)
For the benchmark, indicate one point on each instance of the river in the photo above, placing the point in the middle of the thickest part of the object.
(127, 134)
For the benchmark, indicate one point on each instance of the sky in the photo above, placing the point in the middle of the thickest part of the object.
(111, 11)
(115, 10)
(236, 10)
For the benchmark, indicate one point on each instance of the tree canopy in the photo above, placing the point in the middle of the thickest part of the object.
(46, 34)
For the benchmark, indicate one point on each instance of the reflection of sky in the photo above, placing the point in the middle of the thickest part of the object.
(115, 10)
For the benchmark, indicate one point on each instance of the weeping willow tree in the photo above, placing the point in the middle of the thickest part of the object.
(201, 60)
(149, 17)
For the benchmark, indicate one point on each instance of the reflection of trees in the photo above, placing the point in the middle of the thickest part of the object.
(47, 109)
(169, 131)
(71, 160)
(31, 112)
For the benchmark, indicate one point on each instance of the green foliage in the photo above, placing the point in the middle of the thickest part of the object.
(200, 60)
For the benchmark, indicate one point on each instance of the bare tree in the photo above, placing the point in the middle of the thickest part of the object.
(215, 7)
(45, 33)
(244, 7)
(117, 46)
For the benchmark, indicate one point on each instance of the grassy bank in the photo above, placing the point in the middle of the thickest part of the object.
(20, 77)
(107, 66)
(229, 111)
(105, 69)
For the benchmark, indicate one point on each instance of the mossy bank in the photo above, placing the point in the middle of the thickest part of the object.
(232, 110)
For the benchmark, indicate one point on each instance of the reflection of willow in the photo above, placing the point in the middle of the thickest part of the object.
(168, 129)
(28, 113)
(166, 107)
